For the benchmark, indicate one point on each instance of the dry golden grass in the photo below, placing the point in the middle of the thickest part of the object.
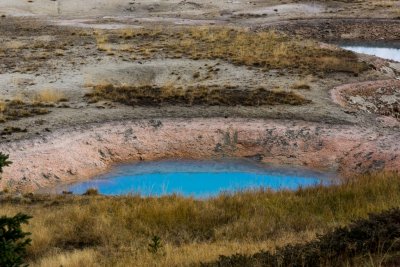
(148, 95)
(385, 3)
(192, 254)
(15, 45)
(116, 231)
(267, 50)
(17, 108)
(3, 106)
(332, 63)
(171, 255)
(303, 83)
(75, 258)
(49, 95)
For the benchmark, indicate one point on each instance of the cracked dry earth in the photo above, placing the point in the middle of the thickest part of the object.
(348, 126)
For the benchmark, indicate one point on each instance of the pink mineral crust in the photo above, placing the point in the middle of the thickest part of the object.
(76, 154)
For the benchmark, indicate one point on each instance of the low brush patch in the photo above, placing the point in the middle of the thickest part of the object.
(264, 49)
(16, 109)
(195, 95)
(374, 239)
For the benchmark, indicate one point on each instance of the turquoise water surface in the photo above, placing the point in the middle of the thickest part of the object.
(197, 178)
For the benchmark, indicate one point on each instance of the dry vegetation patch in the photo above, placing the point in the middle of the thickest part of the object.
(49, 95)
(16, 109)
(29, 46)
(148, 95)
(303, 84)
(116, 231)
(24, 107)
(266, 49)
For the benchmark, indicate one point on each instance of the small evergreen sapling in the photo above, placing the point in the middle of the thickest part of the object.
(4, 162)
(155, 245)
(13, 241)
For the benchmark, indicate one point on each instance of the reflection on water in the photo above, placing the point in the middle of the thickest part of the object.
(382, 52)
(197, 178)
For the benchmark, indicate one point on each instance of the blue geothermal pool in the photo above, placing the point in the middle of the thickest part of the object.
(197, 178)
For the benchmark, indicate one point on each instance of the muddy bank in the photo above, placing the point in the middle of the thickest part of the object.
(76, 154)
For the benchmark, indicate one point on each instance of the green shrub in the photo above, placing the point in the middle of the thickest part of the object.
(155, 245)
(4, 162)
(13, 241)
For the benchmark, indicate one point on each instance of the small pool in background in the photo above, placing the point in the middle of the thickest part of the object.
(197, 178)
(382, 51)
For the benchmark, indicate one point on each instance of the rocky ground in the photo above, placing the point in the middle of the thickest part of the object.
(63, 48)
(380, 97)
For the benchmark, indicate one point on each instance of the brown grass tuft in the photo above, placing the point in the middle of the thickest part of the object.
(17, 108)
(91, 192)
(303, 84)
(193, 95)
(49, 95)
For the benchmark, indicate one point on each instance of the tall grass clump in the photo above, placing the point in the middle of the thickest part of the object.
(49, 95)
